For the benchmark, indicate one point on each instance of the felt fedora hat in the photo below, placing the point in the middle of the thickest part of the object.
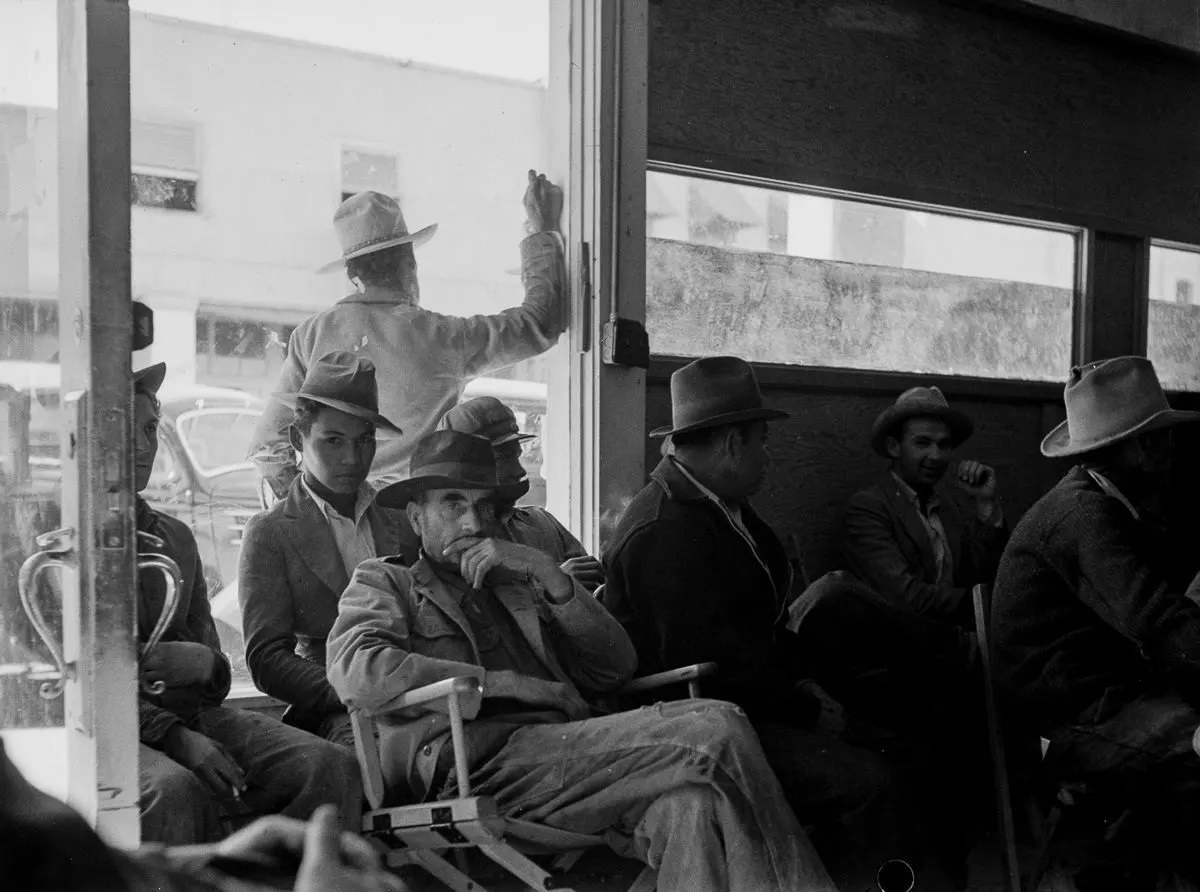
(484, 416)
(371, 221)
(443, 459)
(346, 382)
(1108, 401)
(713, 391)
(919, 402)
(150, 378)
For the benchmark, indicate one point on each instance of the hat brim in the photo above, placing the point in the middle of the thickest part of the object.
(1058, 443)
(398, 495)
(718, 420)
(151, 377)
(961, 427)
(381, 424)
(416, 239)
(509, 438)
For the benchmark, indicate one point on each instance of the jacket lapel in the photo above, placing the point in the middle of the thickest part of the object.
(906, 516)
(313, 540)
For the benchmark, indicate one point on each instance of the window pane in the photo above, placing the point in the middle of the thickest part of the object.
(30, 468)
(1173, 336)
(783, 277)
(277, 109)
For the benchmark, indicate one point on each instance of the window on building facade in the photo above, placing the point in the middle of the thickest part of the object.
(1173, 324)
(166, 172)
(364, 170)
(30, 329)
(817, 280)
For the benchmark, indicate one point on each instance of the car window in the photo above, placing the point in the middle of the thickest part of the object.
(216, 439)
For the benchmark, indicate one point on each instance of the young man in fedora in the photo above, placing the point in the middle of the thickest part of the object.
(423, 359)
(694, 575)
(1094, 647)
(298, 556)
(904, 538)
(488, 417)
(195, 753)
(682, 786)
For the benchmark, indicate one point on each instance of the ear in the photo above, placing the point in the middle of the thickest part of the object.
(892, 446)
(731, 442)
(295, 439)
(413, 510)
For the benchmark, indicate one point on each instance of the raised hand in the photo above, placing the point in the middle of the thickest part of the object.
(543, 204)
(977, 480)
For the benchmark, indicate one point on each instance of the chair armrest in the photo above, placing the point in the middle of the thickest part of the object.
(680, 675)
(463, 684)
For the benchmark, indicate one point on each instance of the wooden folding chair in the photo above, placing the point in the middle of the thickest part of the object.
(424, 833)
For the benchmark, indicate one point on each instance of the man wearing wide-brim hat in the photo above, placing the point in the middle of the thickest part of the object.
(423, 360)
(298, 556)
(682, 785)
(907, 538)
(1094, 645)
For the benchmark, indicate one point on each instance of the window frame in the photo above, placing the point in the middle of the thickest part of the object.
(366, 147)
(168, 173)
(1146, 301)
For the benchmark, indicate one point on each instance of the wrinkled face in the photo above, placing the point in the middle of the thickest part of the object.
(145, 439)
(750, 460)
(922, 453)
(445, 516)
(508, 462)
(338, 450)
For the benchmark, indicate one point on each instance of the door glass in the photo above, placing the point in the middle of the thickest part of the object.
(30, 475)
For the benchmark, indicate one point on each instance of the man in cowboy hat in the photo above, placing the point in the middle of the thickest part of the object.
(423, 359)
(298, 556)
(695, 575)
(681, 785)
(906, 540)
(1094, 645)
(488, 417)
(195, 753)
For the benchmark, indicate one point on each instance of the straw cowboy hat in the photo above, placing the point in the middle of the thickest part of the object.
(919, 402)
(1109, 401)
(443, 460)
(713, 391)
(150, 378)
(346, 382)
(484, 416)
(371, 221)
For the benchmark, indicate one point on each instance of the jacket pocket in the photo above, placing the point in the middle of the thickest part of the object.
(436, 635)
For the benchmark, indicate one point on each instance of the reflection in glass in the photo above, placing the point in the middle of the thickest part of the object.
(1173, 333)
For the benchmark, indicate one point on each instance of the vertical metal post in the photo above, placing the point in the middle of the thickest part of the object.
(96, 339)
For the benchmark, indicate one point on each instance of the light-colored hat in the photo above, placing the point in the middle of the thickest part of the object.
(713, 391)
(1108, 401)
(443, 460)
(484, 416)
(919, 402)
(346, 382)
(371, 221)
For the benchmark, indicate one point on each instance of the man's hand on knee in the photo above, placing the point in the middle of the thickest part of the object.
(207, 759)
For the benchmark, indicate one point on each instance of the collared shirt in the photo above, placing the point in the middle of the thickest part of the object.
(732, 510)
(1111, 488)
(355, 541)
(932, 521)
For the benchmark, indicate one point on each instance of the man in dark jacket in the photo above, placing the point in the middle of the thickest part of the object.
(906, 540)
(695, 575)
(298, 557)
(194, 752)
(1093, 645)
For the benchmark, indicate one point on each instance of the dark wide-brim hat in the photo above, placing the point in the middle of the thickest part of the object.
(444, 459)
(484, 416)
(919, 402)
(1109, 401)
(150, 378)
(344, 381)
(713, 391)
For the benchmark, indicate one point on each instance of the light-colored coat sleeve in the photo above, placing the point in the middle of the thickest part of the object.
(592, 647)
(270, 450)
(370, 659)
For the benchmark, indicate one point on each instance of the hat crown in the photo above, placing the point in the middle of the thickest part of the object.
(712, 387)
(484, 416)
(922, 396)
(465, 458)
(366, 218)
(1111, 397)
(345, 377)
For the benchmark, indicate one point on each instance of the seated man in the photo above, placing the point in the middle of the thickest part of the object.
(487, 417)
(194, 752)
(682, 786)
(1093, 647)
(298, 556)
(904, 539)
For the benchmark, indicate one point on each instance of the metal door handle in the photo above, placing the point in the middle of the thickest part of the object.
(57, 544)
(174, 579)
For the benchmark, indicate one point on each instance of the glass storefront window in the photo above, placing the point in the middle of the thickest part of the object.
(1173, 331)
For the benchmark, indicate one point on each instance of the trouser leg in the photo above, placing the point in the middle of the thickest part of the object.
(288, 771)
(657, 782)
(337, 729)
(175, 806)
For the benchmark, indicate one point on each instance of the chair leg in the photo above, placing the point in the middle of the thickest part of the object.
(521, 867)
(1042, 860)
(647, 881)
(443, 870)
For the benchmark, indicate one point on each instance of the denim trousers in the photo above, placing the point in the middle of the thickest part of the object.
(681, 786)
(288, 771)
